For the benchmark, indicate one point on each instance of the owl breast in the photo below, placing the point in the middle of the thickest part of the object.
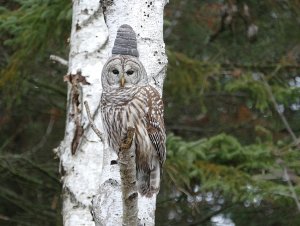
(123, 108)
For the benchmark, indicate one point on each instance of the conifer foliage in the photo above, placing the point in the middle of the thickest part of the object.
(232, 112)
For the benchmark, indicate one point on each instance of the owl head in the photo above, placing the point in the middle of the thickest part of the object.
(123, 69)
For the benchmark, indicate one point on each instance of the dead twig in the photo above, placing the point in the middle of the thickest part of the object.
(59, 60)
(99, 134)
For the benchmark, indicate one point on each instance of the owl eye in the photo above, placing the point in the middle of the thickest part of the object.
(130, 72)
(115, 71)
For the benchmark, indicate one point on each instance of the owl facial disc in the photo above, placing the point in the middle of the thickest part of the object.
(124, 69)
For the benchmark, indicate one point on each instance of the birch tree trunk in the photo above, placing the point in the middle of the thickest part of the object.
(90, 177)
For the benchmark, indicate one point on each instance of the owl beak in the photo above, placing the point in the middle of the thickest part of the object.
(122, 81)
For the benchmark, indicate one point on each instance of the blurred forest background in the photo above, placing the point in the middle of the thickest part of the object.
(232, 99)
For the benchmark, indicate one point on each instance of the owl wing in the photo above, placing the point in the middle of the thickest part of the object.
(155, 123)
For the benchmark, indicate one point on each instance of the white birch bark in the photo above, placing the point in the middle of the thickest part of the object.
(91, 184)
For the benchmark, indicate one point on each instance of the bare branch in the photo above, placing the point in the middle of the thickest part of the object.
(128, 179)
(59, 60)
(99, 134)
(3, 217)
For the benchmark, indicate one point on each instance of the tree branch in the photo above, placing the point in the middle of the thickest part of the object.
(59, 60)
(127, 163)
(276, 106)
(291, 187)
(295, 140)
(99, 134)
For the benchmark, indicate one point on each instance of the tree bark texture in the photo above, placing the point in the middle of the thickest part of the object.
(91, 180)
(127, 165)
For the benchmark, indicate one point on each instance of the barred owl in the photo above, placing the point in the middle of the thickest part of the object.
(129, 101)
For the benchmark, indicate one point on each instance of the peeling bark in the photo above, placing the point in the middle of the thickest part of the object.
(91, 178)
(76, 80)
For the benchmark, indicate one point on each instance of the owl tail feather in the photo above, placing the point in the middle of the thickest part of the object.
(148, 182)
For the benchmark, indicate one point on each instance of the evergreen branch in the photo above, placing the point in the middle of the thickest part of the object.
(276, 106)
(20, 222)
(255, 65)
(23, 176)
(45, 137)
(30, 162)
(42, 170)
(211, 215)
(12, 137)
(16, 199)
(226, 128)
(289, 129)
(291, 187)
(48, 87)
(260, 66)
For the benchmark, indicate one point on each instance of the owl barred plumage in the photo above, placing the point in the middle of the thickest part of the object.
(129, 101)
